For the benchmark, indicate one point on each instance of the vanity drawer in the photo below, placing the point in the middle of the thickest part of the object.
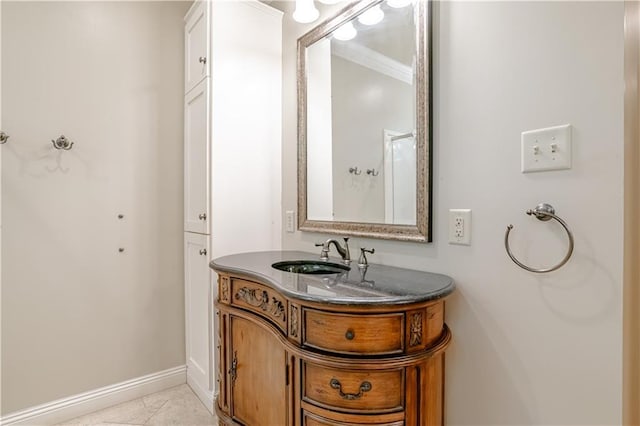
(261, 300)
(357, 391)
(310, 419)
(354, 334)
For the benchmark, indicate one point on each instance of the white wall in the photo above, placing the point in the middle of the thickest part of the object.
(77, 314)
(528, 349)
(365, 102)
(319, 137)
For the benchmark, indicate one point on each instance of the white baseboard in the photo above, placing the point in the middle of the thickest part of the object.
(207, 397)
(88, 402)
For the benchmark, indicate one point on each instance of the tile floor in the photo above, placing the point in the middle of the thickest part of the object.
(174, 406)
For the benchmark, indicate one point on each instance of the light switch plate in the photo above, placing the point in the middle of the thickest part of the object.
(546, 149)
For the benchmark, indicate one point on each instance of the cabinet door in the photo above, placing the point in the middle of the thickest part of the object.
(257, 375)
(196, 45)
(198, 308)
(196, 159)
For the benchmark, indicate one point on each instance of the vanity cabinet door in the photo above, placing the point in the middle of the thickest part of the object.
(196, 45)
(196, 154)
(257, 374)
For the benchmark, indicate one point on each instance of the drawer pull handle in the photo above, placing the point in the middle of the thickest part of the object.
(364, 387)
(233, 371)
(349, 335)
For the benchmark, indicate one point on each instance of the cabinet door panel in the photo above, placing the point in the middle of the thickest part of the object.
(196, 152)
(196, 45)
(259, 388)
(198, 311)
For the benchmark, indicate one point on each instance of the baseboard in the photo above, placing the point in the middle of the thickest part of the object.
(207, 397)
(88, 402)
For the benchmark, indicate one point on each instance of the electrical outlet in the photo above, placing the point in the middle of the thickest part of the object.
(291, 221)
(460, 226)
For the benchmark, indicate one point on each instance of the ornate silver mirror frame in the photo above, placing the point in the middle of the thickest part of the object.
(421, 231)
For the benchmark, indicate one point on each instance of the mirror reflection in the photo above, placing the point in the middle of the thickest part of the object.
(361, 150)
(364, 117)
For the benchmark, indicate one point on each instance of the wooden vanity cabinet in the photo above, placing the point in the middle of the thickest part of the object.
(289, 362)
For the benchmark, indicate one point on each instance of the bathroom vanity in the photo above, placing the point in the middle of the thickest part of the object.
(359, 347)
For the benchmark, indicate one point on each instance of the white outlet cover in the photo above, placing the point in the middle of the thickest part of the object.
(546, 149)
(290, 221)
(455, 236)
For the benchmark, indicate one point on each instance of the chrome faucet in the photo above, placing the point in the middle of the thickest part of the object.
(343, 252)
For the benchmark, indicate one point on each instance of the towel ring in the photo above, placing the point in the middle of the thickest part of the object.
(542, 212)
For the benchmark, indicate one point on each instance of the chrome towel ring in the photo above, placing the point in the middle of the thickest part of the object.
(543, 212)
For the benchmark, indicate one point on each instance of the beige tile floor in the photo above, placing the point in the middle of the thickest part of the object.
(174, 406)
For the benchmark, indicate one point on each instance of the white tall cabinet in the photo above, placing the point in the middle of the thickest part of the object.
(232, 154)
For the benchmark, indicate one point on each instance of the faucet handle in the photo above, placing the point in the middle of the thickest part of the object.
(362, 262)
(324, 253)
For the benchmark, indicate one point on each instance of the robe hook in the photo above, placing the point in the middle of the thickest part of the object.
(62, 143)
(3, 138)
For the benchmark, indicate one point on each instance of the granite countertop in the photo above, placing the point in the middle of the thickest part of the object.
(380, 284)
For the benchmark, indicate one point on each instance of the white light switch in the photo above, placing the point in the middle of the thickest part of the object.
(546, 149)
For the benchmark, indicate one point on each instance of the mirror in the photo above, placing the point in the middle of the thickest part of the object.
(364, 121)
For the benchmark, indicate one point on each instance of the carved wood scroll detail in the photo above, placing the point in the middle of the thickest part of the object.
(224, 289)
(261, 300)
(416, 329)
(293, 321)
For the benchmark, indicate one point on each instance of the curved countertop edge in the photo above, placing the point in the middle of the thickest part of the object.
(264, 273)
